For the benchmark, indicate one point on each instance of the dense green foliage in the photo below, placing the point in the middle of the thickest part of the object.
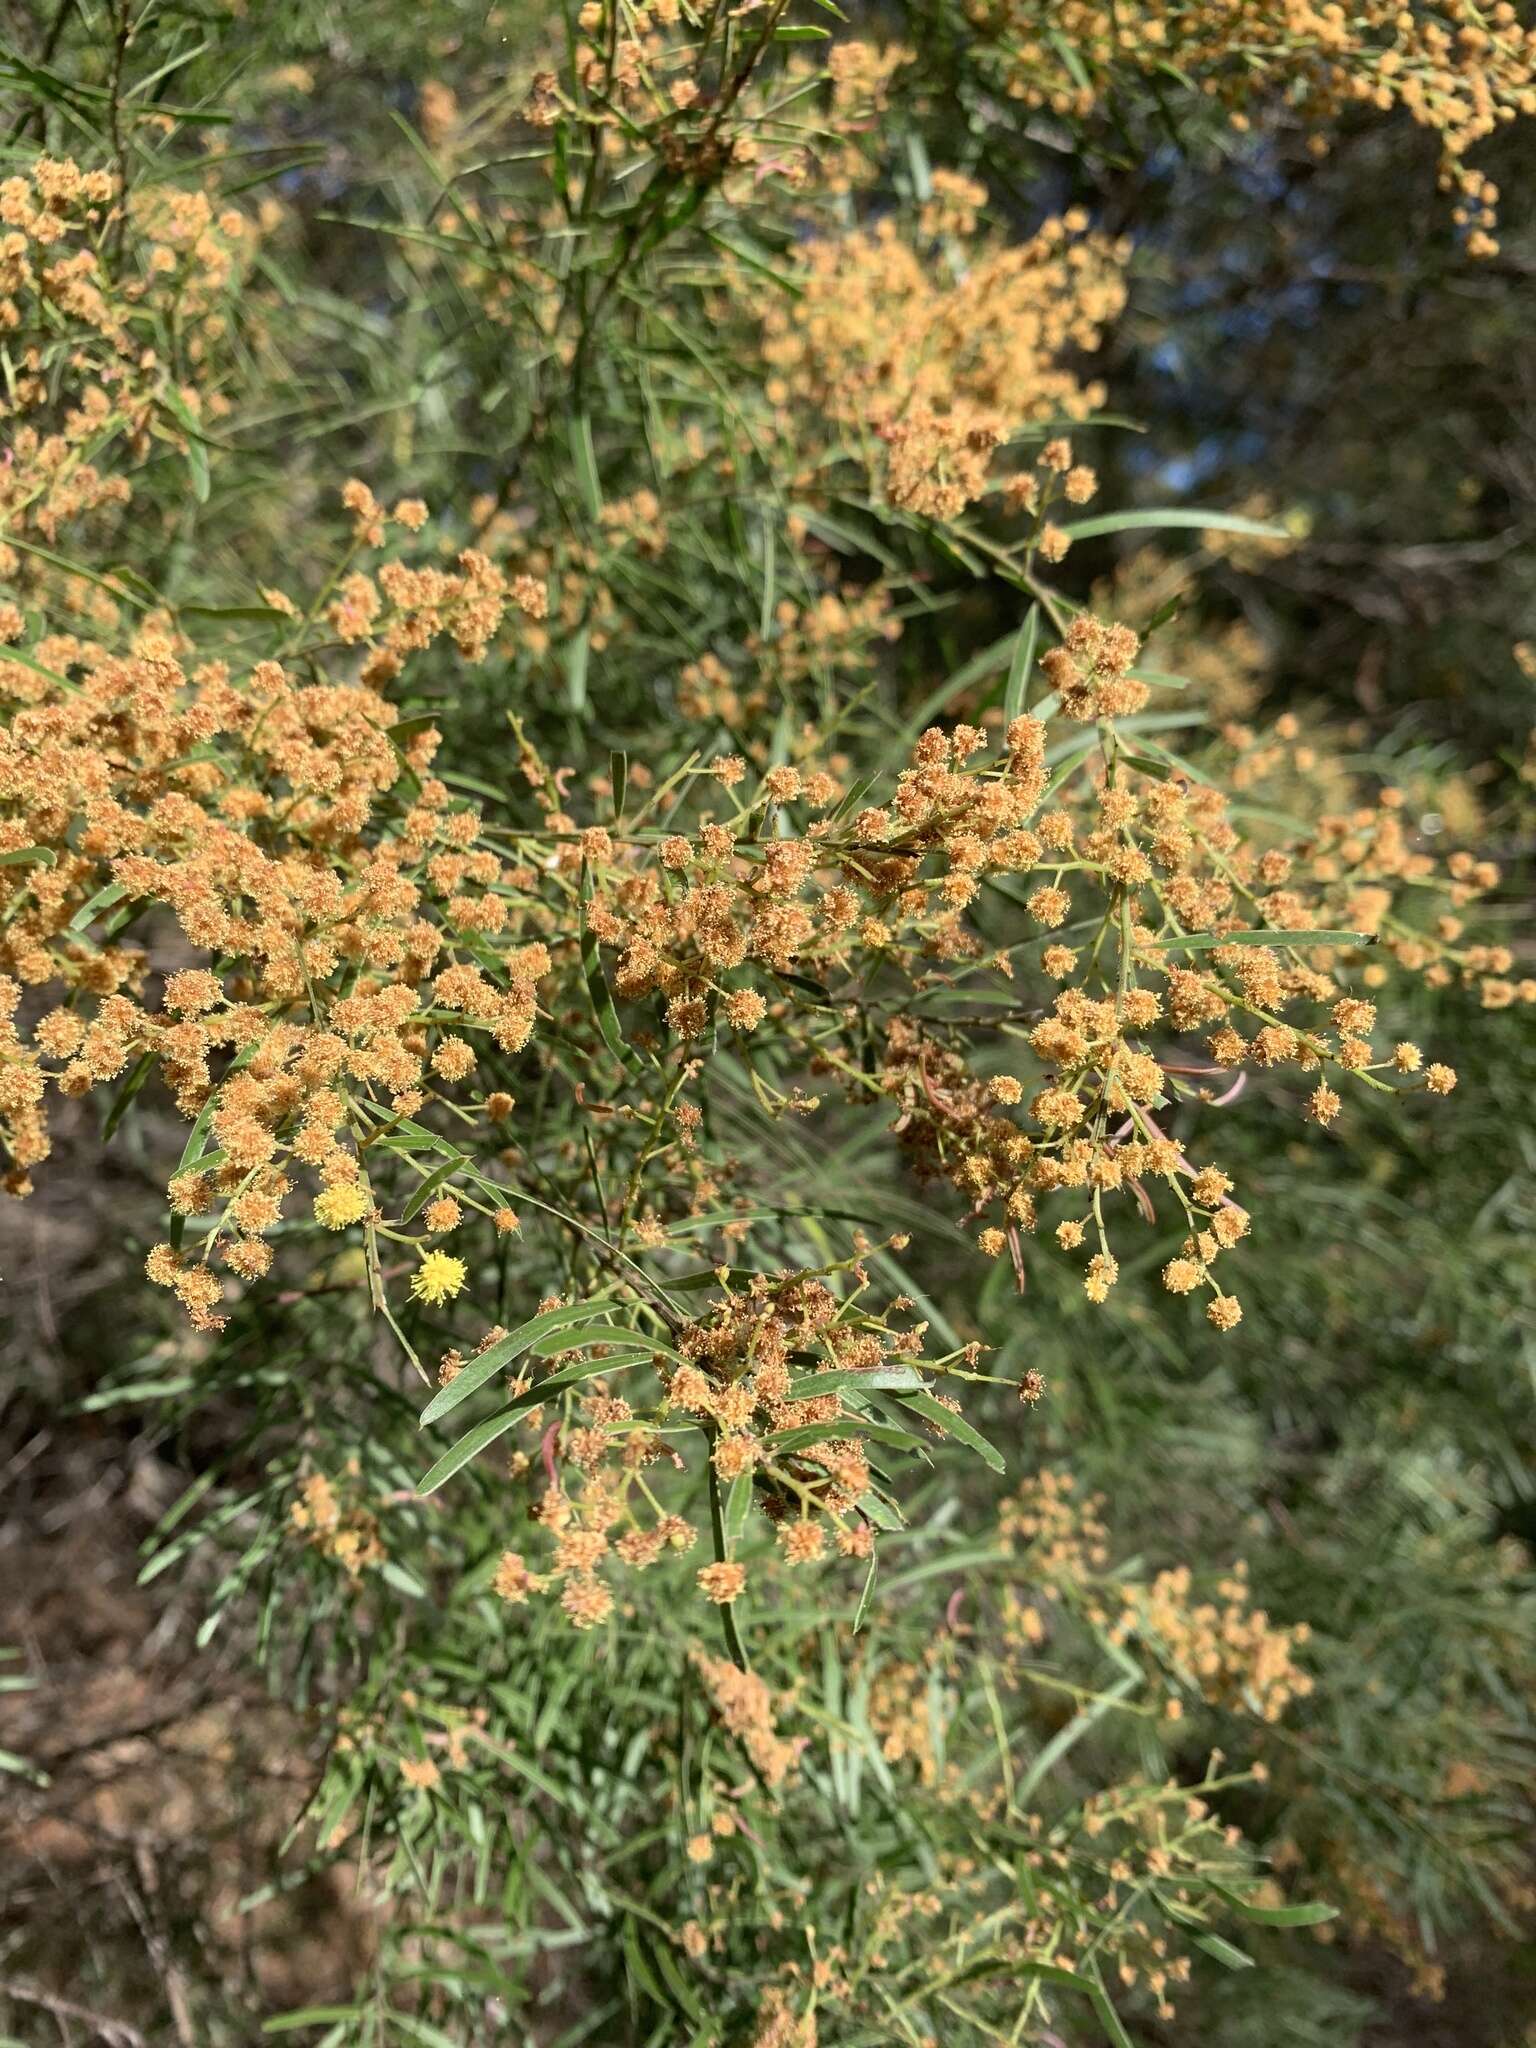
(1191, 1696)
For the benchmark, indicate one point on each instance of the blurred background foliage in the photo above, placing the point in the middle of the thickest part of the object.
(209, 1826)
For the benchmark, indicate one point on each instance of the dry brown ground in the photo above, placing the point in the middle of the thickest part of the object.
(161, 1778)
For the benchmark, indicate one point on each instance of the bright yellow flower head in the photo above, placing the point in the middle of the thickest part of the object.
(438, 1278)
(337, 1207)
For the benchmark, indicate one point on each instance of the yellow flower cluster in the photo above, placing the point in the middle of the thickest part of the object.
(1078, 1871)
(292, 836)
(747, 1708)
(269, 815)
(770, 1380)
(342, 1529)
(60, 300)
(248, 878)
(1216, 1647)
(1459, 70)
(928, 365)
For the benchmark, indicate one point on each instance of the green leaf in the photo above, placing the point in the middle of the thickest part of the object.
(19, 1767)
(1174, 515)
(48, 85)
(112, 588)
(679, 1986)
(879, 1379)
(29, 856)
(869, 1586)
(49, 675)
(577, 655)
(883, 1513)
(747, 253)
(495, 1356)
(954, 1426)
(1067, 1738)
(196, 453)
(138, 1074)
(1070, 58)
(1224, 1952)
(556, 1341)
(1309, 1914)
(584, 456)
(262, 614)
(139, 1390)
(598, 991)
(639, 1966)
(468, 1447)
(717, 1529)
(1204, 942)
(531, 1397)
(738, 1508)
(976, 670)
(1019, 668)
(429, 1188)
(313, 2016)
(803, 1436)
(1085, 1987)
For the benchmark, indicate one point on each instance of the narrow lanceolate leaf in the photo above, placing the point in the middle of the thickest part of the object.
(1159, 679)
(879, 1379)
(754, 258)
(738, 1508)
(1078, 1982)
(312, 2016)
(29, 857)
(584, 1334)
(138, 1074)
(854, 795)
(578, 653)
(1019, 668)
(952, 1425)
(1310, 1914)
(196, 1148)
(429, 1188)
(28, 661)
(802, 1438)
(470, 1446)
(1225, 1953)
(639, 1353)
(115, 588)
(884, 1514)
(195, 453)
(1175, 515)
(234, 614)
(869, 1586)
(466, 1448)
(598, 991)
(585, 458)
(490, 1361)
(717, 1529)
(104, 898)
(1204, 942)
